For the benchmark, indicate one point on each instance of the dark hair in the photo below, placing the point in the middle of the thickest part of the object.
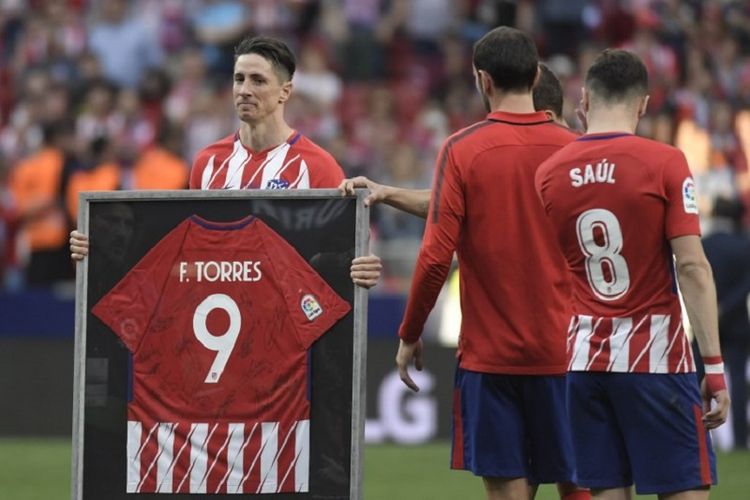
(616, 75)
(548, 93)
(274, 51)
(53, 131)
(509, 56)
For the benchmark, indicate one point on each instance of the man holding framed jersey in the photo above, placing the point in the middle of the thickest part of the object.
(265, 153)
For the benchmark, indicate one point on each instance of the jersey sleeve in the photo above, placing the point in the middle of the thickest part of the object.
(327, 174)
(128, 308)
(542, 183)
(682, 205)
(444, 220)
(313, 307)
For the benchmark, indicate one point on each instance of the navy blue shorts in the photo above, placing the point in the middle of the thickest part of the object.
(511, 426)
(640, 427)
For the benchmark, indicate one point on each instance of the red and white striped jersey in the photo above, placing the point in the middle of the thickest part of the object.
(297, 163)
(219, 318)
(644, 343)
(615, 201)
(218, 457)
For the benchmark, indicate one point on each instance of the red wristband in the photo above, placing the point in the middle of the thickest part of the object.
(714, 367)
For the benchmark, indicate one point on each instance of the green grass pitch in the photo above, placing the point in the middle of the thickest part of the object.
(39, 469)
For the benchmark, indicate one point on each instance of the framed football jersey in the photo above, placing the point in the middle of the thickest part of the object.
(220, 345)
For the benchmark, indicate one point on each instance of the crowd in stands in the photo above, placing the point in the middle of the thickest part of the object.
(121, 94)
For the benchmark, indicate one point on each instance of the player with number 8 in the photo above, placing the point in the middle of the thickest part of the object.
(622, 207)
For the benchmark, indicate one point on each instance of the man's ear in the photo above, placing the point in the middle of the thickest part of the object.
(643, 106)
(584, 100)
(286, 92)
(537, 76)
(485, 80)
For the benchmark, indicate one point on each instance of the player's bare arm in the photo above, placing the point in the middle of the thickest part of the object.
(408, 351)
(413, 201)
(699, 293)
(79, 245)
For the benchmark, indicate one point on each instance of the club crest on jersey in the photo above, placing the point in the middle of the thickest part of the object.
(310, 307)
(129, 327)
(688, 196)
(277, 184)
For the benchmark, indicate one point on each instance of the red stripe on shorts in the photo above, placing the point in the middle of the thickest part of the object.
(702, 446)
(457, 460)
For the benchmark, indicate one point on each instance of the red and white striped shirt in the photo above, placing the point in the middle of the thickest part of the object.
(615, 201)
(297, 163)
(646, 343)
(218, 457)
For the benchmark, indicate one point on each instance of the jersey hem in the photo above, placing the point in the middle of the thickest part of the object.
(560, 369)
(685, 232)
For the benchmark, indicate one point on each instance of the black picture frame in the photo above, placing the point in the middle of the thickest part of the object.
(326, 229)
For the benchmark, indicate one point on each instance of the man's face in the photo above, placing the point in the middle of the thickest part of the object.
(257, 90)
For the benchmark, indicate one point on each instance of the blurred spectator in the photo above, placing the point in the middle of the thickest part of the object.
(36, 185)
(727, 249)
(314, 78)
(97, 116)
(210, 117)
(190, 78)
(99, 172)
(726, 158)
(401, 172)
(312, 107)
(160, 166)
(10, 269)
(561, 24)
(378, 81)
(134, 132)
(218, 26)
(124, 46)
(359, 31)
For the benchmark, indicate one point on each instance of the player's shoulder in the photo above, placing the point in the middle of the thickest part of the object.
(467, 131)
(312, 151)
(570, 148)
(651, 153)
(222, 146)
(667, 151)
(630, 144)
(557, 134)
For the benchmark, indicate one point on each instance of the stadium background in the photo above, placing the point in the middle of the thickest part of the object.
(121, 94)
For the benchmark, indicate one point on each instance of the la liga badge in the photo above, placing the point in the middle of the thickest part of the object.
(688, 196)
(311, 307)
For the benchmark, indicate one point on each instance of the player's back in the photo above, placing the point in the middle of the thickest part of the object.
(514, 285)
(615, 200)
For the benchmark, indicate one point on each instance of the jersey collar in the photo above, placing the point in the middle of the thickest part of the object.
(603, 135)
(293, 137)
(535, 118)
(222, 226)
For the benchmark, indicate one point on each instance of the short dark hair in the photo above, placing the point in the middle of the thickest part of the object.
(548, 92)
(617, 75)
(509, 56)
(271, 49)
